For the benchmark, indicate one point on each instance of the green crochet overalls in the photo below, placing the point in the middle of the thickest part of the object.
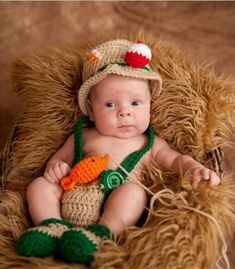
(58, 237)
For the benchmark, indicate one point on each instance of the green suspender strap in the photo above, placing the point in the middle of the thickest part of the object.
(78, 145)
(110, 179)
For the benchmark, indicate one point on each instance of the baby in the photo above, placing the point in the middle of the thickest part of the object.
(116, 96)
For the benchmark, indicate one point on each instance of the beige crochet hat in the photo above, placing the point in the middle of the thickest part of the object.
(119, 57)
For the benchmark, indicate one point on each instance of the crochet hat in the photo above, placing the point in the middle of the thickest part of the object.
(119, 57)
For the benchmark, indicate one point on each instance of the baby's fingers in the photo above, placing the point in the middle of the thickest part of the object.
(214, 179)
(56, 172)
(205, 174)
(49, 177)
(200, 174)
(64, 169)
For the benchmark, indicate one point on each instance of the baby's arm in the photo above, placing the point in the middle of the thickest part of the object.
(182, 164)
(59, 164)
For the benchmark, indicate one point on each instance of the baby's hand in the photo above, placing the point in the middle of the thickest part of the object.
(203, 173)
(56, 171)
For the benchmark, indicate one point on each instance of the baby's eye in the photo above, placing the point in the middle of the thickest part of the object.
(135, 103)
(110, 104)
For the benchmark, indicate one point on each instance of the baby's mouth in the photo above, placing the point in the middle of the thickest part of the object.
(125, 126)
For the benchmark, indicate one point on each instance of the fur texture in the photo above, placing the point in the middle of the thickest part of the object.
(195, 113)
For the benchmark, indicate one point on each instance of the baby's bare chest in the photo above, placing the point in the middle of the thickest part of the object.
(118, 149)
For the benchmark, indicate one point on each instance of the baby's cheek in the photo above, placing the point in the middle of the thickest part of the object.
(105, 125)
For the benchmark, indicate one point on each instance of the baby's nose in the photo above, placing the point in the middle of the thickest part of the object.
(124, 112)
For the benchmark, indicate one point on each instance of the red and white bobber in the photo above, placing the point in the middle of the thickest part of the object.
(138, 55)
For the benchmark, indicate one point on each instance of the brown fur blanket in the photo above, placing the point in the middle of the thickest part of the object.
(195, 113)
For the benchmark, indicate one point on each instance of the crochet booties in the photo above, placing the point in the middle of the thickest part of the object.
(79, 245)
(42, 240)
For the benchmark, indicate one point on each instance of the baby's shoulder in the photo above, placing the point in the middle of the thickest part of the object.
(70, 139)
(159, 143)
(158, 140)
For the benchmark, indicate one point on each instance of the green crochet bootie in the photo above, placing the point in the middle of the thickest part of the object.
(79, 245)
(42, 240)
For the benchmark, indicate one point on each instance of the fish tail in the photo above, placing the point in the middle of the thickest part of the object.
(67, 183)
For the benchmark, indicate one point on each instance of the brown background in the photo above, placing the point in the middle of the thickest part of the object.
(204, 29)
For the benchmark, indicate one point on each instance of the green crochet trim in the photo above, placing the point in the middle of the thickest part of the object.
(122, 64)
(38, 242)
(78, 246)
(110, 179)
(99, 230)
(55, 221)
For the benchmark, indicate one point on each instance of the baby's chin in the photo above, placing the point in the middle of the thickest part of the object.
(123, 134)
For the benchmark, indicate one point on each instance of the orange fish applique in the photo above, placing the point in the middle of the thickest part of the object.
(85, 171)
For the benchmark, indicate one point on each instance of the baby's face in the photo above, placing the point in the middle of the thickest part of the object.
(120, 106)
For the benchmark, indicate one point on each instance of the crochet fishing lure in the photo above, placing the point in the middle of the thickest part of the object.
(85, 171)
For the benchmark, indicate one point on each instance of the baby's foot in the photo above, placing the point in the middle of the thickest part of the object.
(42, 240)
(79, 245)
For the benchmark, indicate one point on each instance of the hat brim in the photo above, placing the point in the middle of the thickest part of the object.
(127, 71)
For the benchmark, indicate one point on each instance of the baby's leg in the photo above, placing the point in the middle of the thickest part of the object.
(44, 206)
(44, 200)
(123, 207)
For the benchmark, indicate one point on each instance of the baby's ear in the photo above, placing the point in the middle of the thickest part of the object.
(89, 110)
